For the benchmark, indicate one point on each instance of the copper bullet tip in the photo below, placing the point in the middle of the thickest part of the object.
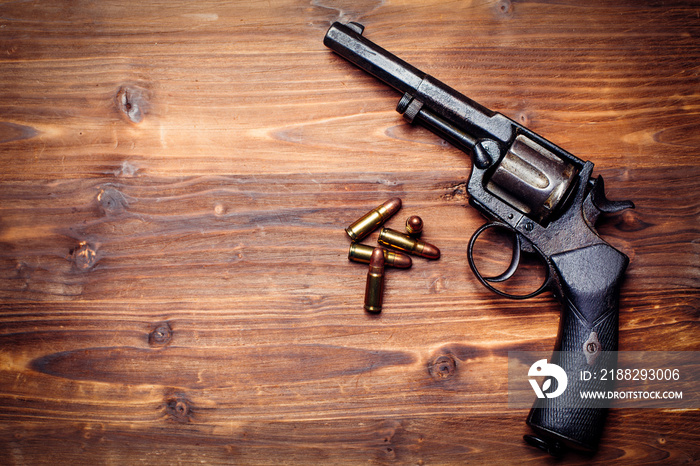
(414, 225)
(376, 259)
(392, 206)
(401, 261)
(430, 251)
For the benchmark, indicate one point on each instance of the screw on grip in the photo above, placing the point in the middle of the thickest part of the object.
(512, 268)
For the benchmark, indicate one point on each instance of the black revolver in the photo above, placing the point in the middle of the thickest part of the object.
(544, 196)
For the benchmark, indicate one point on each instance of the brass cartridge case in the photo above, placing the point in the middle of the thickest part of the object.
(414, 226)
(374, 290)
(403, 242)
(373, 219)
(361, 253)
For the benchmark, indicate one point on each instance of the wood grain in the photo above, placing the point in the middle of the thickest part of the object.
(174, 184)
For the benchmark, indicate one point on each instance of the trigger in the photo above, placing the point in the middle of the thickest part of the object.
(514, 262)
(596, 202)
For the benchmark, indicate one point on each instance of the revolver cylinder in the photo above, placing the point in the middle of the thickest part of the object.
(532, 179)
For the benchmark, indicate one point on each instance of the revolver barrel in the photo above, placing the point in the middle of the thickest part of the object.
(347, 41)
(444, 109)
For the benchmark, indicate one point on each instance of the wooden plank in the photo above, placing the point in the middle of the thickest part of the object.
(174, 184)
(377, 440)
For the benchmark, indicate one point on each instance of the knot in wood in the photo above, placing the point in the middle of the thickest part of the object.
(126, 169)
(111, 201)
(525, 118)
(132, 102)
(179, 409)
(442, 367)
(630, 221)
(161, 335)
(84, 257)
(505, 8)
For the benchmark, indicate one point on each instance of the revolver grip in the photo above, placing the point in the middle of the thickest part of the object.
(588, 288)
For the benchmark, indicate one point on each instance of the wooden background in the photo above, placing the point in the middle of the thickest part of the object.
(175, 181)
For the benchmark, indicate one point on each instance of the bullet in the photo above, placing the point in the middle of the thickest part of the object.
(361, 253)
(414, 226)
(403, 242)
(373, 219)
(374, 290)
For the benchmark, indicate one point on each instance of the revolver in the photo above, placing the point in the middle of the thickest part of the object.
(548, 200)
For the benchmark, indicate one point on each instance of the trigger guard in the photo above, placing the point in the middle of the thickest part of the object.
(515, 261)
